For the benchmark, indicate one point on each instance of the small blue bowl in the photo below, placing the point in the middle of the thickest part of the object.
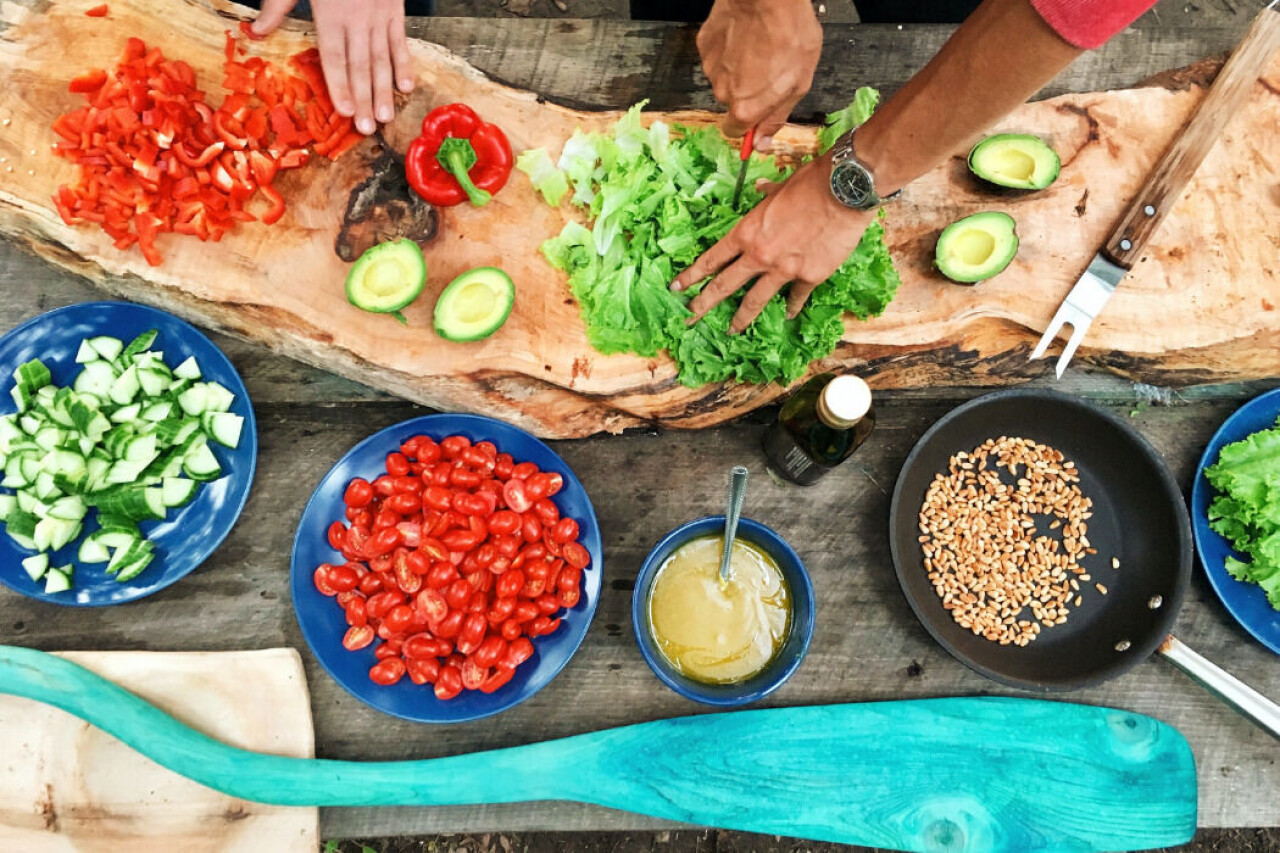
(800, 633)
(1247, 602)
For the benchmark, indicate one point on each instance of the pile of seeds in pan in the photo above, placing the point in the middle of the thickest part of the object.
(997, 574)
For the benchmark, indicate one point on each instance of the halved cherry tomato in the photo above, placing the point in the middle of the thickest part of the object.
(473, 675)
(321, 580)
(432, 604)
(513, 493)
(501, 675)
(555, 482)
(357, 637)
(576, 556)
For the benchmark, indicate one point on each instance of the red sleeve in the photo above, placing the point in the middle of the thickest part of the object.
(1090, 23)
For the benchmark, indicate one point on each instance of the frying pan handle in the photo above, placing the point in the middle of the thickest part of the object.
(1225, 686)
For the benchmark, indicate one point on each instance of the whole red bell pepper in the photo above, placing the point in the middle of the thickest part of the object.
(457, 157)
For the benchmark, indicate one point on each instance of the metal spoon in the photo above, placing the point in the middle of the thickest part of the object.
(737, 492)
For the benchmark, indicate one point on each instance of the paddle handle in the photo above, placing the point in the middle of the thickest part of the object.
(964, 774)
(1224, 685)
(1230, 89)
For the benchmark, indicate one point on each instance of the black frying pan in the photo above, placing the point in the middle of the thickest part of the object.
(1139, 516)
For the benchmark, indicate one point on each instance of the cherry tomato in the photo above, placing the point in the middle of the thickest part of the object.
(555, 482)
(384, 519)
(418, 562)
(454, 445)
(424, 646)
(477, 526)
(321, 580)
(437, 497)
(397, 464)
(440, 474)
(476, 458)
(441, 575)
(432, 604)
(356, 614)
(469, 504)
(472, 633)
(386, 650)
(515, 496)
(385, 485)
(370, 583)
(404, 503)
(533, 587)
(547, 512)
(503, 466)
(576, 556)
(519, 651)
(488, 448)
(357, 538)
(448, 683)
(525, 611)
(458, 593)
(342, 578)
(387, 672)
(507, 546)
(512, 630)
(531, 528)
(360, 516)
(337, 535)
(547, 604)
(569, 578)
(504, 522)
(406, 484)
(542, 626)
(569, 598)
(357, 637)
(501, 609)
(485, 555)
(378, 605)
(433, 548)
(383, 542)
(424, 671)
(450, 625)
(465, 478)
(461, 541)
(510, 583)
(536, 487)
(428, 452)
(398, 618)
(553, 547)
(409, 447)
(524, 471)
(473, 675)
(534, 552)
(565, 531)
(358, 493)
(407, 579)
(500, 676)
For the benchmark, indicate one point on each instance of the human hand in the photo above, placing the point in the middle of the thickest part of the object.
(760, 56)
(362, 47)
(798, 234)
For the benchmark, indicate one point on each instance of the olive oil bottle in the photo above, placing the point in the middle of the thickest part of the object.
(819, 427)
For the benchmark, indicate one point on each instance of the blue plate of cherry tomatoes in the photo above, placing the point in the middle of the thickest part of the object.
(447, 568)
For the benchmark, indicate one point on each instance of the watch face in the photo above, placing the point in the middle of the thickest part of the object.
(852, 185)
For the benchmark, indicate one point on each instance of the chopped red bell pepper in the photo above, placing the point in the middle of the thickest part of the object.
(89, 81)
(458, 157)
(99, 11)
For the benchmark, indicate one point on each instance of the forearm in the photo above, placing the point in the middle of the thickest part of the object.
(998, 58)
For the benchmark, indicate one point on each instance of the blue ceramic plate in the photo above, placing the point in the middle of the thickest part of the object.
(190, 534)
(1246, 601)
(323, 622)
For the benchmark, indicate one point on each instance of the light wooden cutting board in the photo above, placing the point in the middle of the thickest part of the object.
(1201, 307)
(65, 787)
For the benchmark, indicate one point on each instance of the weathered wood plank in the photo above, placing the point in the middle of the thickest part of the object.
(867, 644)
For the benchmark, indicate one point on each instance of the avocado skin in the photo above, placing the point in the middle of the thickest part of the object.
(1001, 226)
(355, 276)
(441, 319)
(1047, 163)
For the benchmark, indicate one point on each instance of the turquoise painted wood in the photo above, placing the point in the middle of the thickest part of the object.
(962, 774)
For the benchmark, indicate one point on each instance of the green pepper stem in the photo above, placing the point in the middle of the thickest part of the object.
(458, 156)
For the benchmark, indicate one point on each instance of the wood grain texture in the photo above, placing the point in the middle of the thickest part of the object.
(67, 787)
(1230, 92)
(540, 372)
(922, 775)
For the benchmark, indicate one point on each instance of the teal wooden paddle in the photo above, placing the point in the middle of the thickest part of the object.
(963, 774)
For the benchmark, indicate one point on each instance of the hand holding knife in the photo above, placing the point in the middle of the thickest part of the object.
(744, 155)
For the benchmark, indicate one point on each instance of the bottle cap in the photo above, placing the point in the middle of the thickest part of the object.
(845, 401)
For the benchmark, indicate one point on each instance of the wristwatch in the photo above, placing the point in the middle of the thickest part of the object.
(852, 183)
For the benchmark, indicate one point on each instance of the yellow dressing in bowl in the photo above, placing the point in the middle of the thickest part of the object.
(719, 633)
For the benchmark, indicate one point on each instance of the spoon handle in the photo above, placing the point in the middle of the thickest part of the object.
(733, 512)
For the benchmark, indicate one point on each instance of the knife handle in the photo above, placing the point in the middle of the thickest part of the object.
(1165, 184)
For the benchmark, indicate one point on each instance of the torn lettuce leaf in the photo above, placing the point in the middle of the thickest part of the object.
(655, 199)
(1247, 509)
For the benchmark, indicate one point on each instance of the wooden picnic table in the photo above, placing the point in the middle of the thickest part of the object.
(867, 645)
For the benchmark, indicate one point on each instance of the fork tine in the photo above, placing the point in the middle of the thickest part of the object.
(1055, 326)
(1079, 329)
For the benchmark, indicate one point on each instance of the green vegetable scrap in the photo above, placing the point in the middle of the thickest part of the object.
(1247, 512)
(656, 198)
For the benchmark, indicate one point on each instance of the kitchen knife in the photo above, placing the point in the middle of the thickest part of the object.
(744, 155)
(1164, 185)
(959, 774)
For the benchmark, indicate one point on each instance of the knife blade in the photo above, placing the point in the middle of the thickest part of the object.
(1145, 212)
(744, 155)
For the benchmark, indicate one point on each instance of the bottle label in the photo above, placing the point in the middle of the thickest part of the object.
(796, 462)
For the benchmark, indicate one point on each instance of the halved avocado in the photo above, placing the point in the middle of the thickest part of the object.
(1019, 161)
(387, 277)
(475, 304)
(977, 247)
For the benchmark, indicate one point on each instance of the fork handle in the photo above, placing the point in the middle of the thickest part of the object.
(1165, 184)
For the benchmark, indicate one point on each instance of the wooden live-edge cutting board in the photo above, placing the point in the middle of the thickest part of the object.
(1201, 307)
(66, 787)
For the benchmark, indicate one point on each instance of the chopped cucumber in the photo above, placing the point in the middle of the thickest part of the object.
(116, 441)
(36, 565)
